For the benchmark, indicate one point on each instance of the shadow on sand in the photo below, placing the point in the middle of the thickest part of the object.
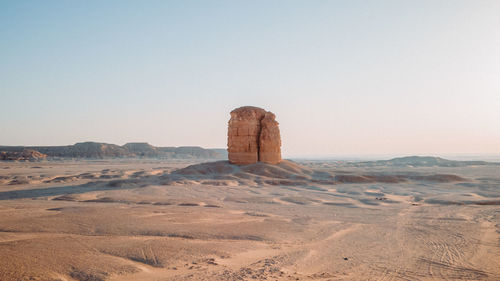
(59, 190)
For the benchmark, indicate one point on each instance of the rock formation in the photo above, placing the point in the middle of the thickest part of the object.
(105, 150)
(24, 155)
(253, 135)
(270, 140)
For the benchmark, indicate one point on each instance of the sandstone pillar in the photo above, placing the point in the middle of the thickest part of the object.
(270, 140)
(253, 135)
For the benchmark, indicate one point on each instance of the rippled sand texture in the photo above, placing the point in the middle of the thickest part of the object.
(153, 220)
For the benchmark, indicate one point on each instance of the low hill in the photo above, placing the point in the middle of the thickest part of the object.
(423, 161)
(105, 150)
(289, 173)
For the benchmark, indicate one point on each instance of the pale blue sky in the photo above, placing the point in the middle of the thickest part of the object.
(343, 77)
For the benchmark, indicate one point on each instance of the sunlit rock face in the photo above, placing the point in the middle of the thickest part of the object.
(253, 135)
(269, 140)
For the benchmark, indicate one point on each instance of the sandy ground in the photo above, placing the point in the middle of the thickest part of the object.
(148, 220)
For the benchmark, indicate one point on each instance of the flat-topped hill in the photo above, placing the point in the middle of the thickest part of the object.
(106, 150)
(422, 161)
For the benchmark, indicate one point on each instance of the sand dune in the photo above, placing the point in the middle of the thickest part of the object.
(154, 220)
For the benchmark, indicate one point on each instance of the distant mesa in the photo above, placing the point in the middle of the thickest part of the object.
(95, 150)
(253, 136)
(422, 161)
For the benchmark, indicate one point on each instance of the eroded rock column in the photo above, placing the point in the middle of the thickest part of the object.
(253, 135)
(270, 140)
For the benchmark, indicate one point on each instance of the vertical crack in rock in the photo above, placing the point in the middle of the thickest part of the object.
(253, 135)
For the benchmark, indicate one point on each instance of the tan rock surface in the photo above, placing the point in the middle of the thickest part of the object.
(253, 135)
(25, 155)
(270, 140)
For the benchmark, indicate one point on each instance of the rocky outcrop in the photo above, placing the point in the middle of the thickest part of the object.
(243, 135)
(253, 135)
(141, 149)
(25, 155)
(270, 140)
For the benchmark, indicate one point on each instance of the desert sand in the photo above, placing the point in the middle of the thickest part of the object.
(307, 220)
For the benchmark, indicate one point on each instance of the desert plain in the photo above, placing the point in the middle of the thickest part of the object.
(148, 219)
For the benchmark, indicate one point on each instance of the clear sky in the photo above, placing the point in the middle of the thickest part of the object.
(343, 77)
